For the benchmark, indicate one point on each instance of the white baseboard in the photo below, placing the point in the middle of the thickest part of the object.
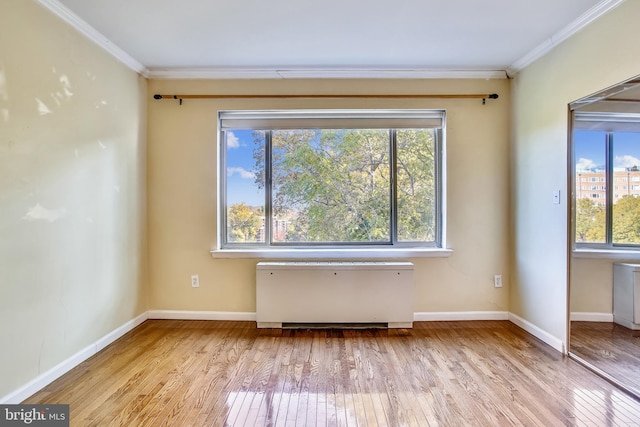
(251, 316)
(65, 366)
(200, 315)
(585, 316)
(537, 332)
(443, 316)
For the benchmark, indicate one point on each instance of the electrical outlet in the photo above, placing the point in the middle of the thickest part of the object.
(497, 281)
(195, 281)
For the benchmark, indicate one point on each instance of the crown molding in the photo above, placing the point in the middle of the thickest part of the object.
(322, 73)
(94, 35)
(585, 19)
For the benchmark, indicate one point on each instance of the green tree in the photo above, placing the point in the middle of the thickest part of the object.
(590, 221)
(243, 223)
(334, 185)
(337, 181)
(626, 220)
(416, 185)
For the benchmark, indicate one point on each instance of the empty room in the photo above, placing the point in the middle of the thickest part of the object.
(252, 213)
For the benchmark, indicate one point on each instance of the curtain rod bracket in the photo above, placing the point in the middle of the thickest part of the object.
(491, 96)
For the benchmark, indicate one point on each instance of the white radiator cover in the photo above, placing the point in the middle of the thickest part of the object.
(334, 292)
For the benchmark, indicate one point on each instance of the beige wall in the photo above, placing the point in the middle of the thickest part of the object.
(182, 191)
(591, 286)
(602, 54)
(72, 193)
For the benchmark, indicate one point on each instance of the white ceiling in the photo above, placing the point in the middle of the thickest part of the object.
(446, 35)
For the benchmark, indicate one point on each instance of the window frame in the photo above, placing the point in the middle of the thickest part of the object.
(605, 122)
(268, 246)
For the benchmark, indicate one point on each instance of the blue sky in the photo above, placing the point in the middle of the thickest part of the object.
(240, 163)
(590, 150)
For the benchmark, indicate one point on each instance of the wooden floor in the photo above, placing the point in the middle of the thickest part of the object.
(610, 347)
(214, 373)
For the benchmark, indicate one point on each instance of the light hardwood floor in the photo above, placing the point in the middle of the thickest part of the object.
(611, 348)
(215, 373)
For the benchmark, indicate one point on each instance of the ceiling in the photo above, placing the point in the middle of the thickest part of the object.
(297, 35)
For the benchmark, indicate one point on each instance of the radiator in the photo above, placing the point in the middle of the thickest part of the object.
(334, 293)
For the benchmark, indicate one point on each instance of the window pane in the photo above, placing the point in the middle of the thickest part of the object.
(244, 154)
(590, 186)
(626, 173)
(331, 186)
(416, 185)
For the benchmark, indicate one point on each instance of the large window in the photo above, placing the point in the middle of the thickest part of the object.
(331, 178)
(606, 149)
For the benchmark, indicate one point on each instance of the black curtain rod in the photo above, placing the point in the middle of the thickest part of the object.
(484, 97)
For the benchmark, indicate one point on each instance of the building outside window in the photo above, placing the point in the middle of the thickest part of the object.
(606, 147)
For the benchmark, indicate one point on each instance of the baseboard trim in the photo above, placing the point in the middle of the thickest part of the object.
(201, 315)
(579, 316)
(65, 366)
(251, 316)
(444, 316)
(537, 332)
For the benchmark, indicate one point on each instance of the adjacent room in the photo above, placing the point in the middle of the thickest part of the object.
(286, 213)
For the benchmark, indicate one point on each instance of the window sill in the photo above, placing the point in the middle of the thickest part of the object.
(333, 253)
(623, 254)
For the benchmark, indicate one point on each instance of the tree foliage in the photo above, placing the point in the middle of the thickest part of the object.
(242, 223)
(416, 189)
(337, 182)
(626, 220)
(591, 221)
(336, 185)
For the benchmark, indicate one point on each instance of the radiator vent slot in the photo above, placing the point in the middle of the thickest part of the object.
(334, 326)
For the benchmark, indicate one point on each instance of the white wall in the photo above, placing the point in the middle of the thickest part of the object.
(72, 193)
(599, 56)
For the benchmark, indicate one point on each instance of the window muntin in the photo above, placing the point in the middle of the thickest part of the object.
(331, 178)
(606, 150)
